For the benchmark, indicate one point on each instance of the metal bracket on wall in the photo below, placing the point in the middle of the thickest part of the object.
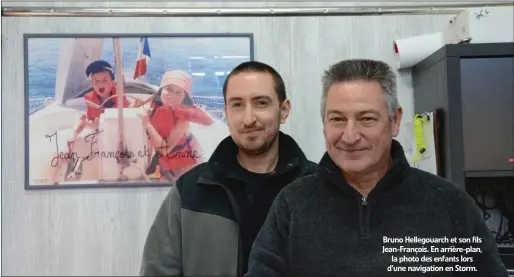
(435, 8)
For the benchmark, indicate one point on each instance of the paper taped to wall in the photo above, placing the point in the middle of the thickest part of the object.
(485, 25)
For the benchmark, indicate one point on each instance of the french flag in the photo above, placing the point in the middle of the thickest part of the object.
(143, 58)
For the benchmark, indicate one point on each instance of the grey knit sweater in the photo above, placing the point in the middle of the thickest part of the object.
(321, 226)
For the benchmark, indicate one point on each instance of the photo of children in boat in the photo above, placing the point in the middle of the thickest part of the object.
(125, 111)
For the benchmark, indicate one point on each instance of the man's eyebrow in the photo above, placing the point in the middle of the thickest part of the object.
(334, 112)
(262, 97)
(374, 112)
(370, 111)
(235, 99)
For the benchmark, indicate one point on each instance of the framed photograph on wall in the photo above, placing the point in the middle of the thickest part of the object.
(131, 110)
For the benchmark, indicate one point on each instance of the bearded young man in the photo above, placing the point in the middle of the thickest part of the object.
(211, 216)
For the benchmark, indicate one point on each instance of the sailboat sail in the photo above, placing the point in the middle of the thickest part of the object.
(76, 54)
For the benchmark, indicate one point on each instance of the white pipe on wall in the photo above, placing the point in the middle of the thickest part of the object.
(247, 11)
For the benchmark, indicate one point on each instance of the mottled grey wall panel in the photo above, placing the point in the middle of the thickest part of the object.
(102, 231)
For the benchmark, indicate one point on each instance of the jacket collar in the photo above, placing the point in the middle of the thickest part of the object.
(396, 174)
(291, 159)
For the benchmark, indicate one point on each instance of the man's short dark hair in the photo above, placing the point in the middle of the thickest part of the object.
(254, 66)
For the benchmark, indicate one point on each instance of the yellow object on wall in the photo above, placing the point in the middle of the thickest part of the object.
(419, 120)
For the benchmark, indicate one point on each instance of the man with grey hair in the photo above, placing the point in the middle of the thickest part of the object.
(366, 212)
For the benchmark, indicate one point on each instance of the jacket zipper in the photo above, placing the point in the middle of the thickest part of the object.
(237, 211)
(364, 217)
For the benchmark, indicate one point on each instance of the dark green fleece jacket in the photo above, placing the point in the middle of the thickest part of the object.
(320, 226)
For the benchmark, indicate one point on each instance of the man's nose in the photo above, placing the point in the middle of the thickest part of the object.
(249, 116)
(351, 133)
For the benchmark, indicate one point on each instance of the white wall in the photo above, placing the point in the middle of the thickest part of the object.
(102, 231)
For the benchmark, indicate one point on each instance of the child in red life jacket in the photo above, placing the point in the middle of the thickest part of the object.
(167, 125)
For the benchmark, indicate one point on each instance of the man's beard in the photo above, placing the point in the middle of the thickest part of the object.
(258, 148)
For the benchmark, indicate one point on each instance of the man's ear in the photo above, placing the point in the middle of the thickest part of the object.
(396, 121)
(285, 108)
